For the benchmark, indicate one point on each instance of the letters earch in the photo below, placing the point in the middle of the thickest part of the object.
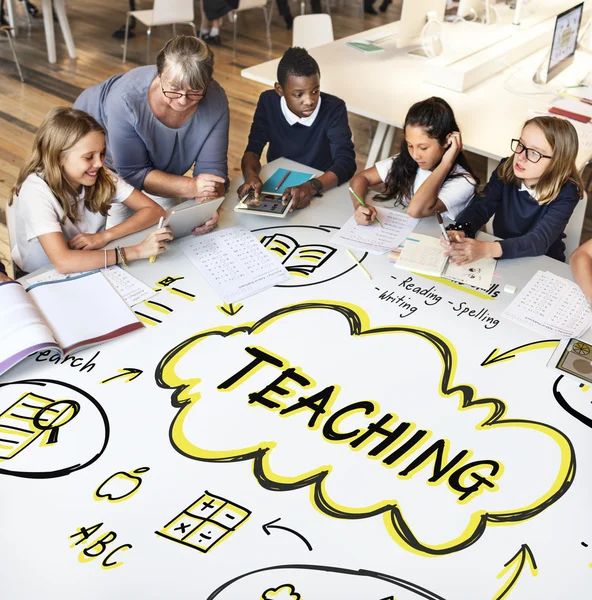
(392, 442)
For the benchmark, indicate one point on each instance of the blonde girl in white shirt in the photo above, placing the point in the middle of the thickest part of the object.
(62, 197)
(430, 174)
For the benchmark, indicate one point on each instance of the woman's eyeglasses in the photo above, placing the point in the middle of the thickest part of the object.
(531, 155)
(193, 96)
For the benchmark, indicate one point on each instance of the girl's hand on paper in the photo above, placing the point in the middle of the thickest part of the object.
(467, 250)
(253, 184)
(365, 215)
(154, 244)
(208, 225)
(89, 241)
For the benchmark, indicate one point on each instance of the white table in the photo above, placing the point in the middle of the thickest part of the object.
(339, 329)
(47, 7)
(383, 85)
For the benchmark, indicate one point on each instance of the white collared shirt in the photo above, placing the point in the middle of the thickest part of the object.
(293, 119)
(533, 194)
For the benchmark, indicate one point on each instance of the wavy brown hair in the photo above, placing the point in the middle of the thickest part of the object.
(563, 139)
(61, 129)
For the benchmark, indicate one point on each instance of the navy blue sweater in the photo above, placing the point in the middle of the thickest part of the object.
(527, 227)
(2, 268)
(326, 145)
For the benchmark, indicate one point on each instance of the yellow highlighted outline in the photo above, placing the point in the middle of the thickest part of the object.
(359, 324)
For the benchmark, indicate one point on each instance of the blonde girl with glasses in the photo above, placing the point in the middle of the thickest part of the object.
(531, 196)
(61, 199)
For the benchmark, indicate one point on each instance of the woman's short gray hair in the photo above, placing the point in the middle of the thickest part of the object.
(189, 62)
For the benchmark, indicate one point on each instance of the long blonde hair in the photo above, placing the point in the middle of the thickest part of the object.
(61, 129)
(563, 139)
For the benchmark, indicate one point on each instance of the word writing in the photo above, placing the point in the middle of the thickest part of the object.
(101, 546)
(464, 478)
(431, 297)
(76, 362)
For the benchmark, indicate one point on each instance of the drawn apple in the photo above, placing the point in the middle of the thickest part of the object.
(284, 592)
(121, 485)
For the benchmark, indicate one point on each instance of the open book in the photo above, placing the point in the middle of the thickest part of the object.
(424, 254)
(66, 315)
(297, 259)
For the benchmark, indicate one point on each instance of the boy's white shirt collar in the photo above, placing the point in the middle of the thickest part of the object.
(293, 119)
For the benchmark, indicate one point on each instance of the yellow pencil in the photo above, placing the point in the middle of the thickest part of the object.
(153, 258)
(358, 263)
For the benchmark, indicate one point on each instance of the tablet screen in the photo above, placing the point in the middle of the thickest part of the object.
(269, 204)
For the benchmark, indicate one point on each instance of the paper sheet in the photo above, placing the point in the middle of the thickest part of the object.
(396, 226)
(551, 305)
(234, 263)
(477, 274)
(132, 290)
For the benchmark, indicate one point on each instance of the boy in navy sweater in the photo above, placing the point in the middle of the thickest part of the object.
(302, 124)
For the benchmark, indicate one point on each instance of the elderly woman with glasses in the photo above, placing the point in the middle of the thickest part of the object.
(162, 120)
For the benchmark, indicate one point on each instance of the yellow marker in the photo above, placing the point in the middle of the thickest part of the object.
(358, 263)
(160, 222)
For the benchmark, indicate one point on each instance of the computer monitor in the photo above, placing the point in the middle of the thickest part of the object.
(565, 40)
(414, 16)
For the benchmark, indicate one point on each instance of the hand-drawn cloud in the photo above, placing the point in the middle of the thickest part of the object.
(319, 582)
(49, 429)
(436, 461)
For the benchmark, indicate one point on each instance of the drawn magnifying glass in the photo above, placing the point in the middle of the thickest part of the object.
(56, 415)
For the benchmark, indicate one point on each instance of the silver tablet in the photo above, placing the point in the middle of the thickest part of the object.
(185, 217)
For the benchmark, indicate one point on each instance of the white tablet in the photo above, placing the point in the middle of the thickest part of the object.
(268, 205)
(185, 217)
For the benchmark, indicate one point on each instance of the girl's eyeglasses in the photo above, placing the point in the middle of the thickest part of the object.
(531, 155)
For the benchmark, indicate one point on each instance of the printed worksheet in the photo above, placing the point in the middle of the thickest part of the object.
(234, 263)
(478, 274)
(551, 304)
(377, 238)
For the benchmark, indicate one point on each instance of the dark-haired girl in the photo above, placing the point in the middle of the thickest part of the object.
(430, 174)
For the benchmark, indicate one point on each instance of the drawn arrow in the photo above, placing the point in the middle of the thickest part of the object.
(495, 356)
(130, 374)
(271, 525)
(230, 309)
(518, 561)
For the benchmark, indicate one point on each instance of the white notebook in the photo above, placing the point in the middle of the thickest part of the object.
(424, 254)
(66, 315)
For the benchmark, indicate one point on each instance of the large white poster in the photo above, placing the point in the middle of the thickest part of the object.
(333, 437)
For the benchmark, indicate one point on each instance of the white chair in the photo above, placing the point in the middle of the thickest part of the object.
(311, 31)
(248, 5)
(7, 30)
(573, 231)
(164, 12)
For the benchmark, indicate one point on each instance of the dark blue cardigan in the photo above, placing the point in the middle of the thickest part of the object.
(326, 145)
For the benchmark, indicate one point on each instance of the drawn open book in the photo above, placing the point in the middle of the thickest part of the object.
(297, 259)
(65, 316)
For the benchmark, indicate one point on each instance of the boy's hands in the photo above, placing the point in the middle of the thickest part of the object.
(301, 194)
